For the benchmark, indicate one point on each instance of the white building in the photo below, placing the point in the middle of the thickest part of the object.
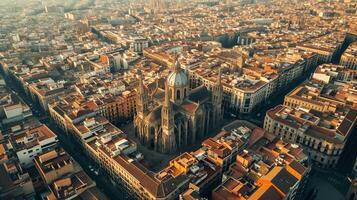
(139, 44)
(29, 143)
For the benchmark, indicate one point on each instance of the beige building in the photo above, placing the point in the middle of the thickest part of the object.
(15, 181)
(46, 91)
(64, 178)
(118, 155)
(310, 95)
(326, 46)
(329, 73)
(277, 167)
(55, 164)
(349, 57)
(73, 108)
(131, 173)
(32, 142)
(322, 134)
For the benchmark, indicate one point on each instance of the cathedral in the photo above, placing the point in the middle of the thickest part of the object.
(171, 118)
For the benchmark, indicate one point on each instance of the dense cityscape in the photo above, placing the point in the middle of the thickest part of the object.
(178, 99)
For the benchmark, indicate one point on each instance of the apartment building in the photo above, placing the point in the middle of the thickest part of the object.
(63, 178)
(118, 108)
(118, 155)
(272, 170)
(54, 164)
(72, 109)
(15, 181)
(119, 158)
(31, 142)
(93, 128)
(12, 108)
(322, 134)
(329, 73)
(321, 97)
(202, 173)
(240, 93)
(326, 46)
(46, 91)
(349, 57)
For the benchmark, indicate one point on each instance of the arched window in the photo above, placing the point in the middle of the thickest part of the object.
(312, 144)
(298, 139)
(178, 94)
(326, 148)
(185, 93)
(319, 146)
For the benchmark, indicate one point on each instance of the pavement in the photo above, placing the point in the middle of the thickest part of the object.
(327, 184)
(349, 154)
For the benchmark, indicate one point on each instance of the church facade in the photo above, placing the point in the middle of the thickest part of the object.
(172, 118)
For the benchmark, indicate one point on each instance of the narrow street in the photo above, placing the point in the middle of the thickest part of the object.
(103, 180)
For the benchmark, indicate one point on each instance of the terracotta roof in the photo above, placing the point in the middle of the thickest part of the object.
(283, 180)
(189, 107)
(297, 167)
(257, 134)
(219, 149)
(266, 192)
(147, 178)
(348, 123)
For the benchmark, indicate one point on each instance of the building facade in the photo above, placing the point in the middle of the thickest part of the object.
(315, 131)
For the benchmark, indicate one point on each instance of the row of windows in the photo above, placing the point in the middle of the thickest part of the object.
(119, 173)
(288, 134)
(30, 151)
(322, 161)
(295, 103)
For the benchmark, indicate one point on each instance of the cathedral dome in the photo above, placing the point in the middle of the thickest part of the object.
(178, 78)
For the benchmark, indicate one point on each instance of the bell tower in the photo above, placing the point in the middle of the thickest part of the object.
(142, 98)
(217, 96)
(167, 124)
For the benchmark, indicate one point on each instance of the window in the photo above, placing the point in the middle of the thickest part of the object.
(326, 148)
(178, 94)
